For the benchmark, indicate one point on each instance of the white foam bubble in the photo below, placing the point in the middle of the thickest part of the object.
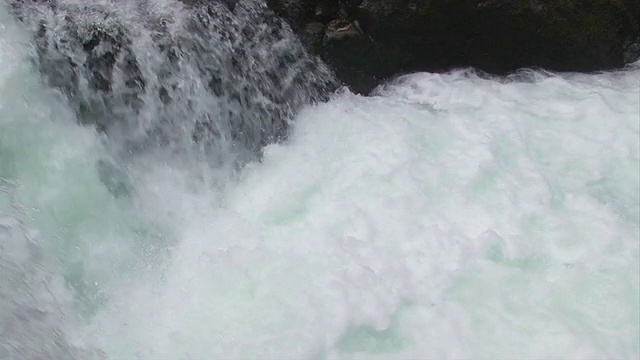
(447, 217)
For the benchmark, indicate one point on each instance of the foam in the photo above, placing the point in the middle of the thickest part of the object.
(448, 217)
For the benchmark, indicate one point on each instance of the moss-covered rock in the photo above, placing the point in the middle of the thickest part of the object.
(389, 37)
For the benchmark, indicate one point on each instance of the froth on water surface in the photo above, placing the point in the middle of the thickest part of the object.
(448, 216)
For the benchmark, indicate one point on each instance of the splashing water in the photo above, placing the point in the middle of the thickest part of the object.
(447, 216)
(160, 74)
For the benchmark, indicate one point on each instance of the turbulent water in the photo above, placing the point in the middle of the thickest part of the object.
(446, 216)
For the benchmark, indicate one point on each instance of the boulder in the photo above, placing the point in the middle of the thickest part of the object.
(211, 72)
(368, 41)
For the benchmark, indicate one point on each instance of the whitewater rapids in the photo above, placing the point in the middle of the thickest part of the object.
(446, 216)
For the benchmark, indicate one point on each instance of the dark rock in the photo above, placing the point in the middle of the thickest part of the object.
(204, 71)
(347, 49)
(115, 180)
(496, 36)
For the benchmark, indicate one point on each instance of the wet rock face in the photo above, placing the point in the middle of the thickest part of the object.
(389, 37)
(167, 73)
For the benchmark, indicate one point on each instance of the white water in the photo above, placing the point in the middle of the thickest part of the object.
(447, 217)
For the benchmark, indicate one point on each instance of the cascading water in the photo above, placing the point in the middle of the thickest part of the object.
(163, 74)
(150, 206)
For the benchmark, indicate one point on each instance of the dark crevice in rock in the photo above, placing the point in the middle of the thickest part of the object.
(367, 41)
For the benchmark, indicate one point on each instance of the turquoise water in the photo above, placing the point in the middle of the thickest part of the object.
(448, 216)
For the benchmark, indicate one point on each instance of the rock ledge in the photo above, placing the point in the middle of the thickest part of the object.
(368, 41)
